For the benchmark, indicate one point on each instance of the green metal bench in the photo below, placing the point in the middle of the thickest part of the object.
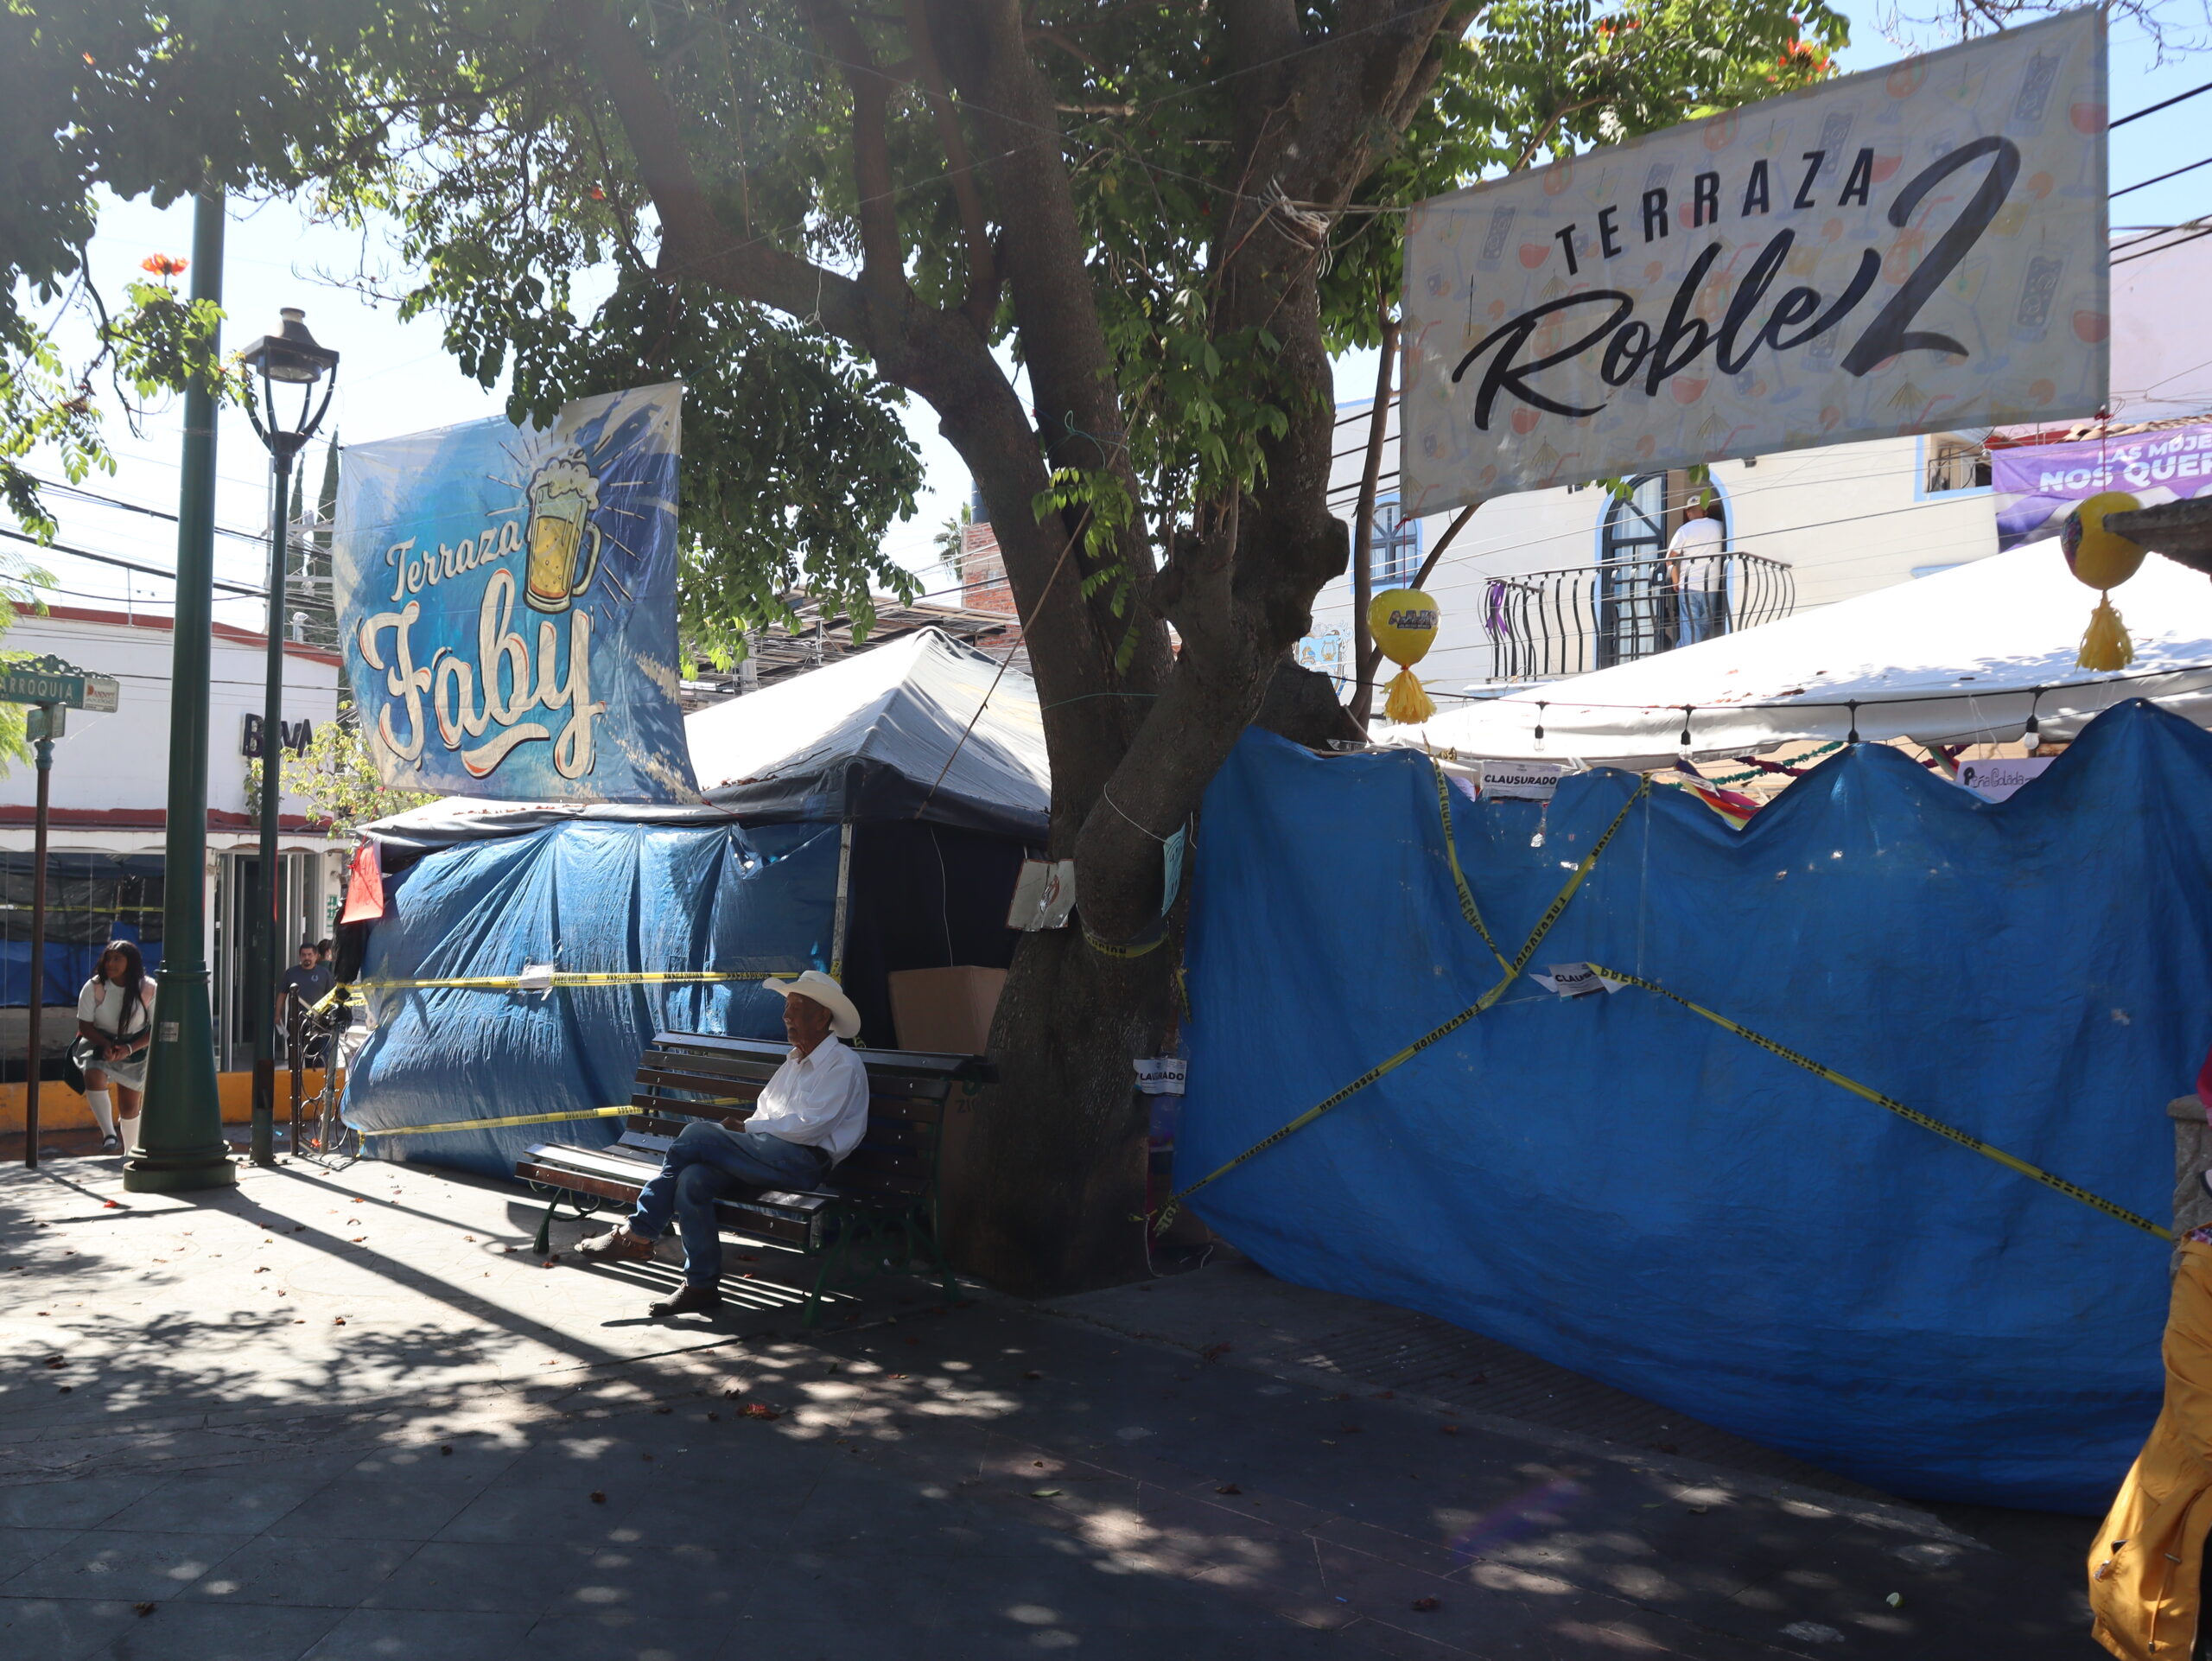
(879, 1210)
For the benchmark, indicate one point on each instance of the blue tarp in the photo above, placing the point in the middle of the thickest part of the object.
(596, 896)
(1623, 1188)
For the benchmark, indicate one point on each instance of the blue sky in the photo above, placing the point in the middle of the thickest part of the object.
(396, 378)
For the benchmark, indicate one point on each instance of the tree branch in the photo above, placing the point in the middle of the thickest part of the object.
(883, 264)
(693, 241)
(1364, 657)
(975, 227)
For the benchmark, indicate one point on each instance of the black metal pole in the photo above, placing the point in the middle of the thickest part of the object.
(44, 714)
(262, 974)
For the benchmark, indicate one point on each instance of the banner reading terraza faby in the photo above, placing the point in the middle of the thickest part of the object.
(1905, 250)
(508, 604)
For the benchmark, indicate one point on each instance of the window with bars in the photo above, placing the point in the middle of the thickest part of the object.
(1955, 462)
(1393, 547)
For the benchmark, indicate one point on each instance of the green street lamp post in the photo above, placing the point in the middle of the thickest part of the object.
(180, 1144)
(292, 357)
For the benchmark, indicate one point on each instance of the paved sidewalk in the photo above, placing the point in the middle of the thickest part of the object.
(352, 1417)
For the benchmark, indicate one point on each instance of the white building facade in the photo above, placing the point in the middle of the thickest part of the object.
(108, 818)
(1555, 583)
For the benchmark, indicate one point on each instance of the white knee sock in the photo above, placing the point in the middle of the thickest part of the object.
(103, 1111)
(126, 1127)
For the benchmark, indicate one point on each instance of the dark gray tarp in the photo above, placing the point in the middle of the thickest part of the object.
(924, 728)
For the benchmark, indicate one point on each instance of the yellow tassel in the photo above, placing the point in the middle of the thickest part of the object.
(2105, 646)
(1406, 703)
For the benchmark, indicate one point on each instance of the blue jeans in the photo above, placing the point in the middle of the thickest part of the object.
(1700, 614)
(704, 1163)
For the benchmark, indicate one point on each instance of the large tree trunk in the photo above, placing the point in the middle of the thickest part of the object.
(1050, 1193)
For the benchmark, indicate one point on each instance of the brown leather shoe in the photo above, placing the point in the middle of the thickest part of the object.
(616, 1243)
(692, 1300)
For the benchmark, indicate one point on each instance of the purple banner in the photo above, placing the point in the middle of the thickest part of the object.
(2037, 485)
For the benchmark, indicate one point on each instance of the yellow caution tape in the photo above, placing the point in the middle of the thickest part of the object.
(2096, 1202)
(1110, 949)
(1467, 909)
(1519, 962)
(494, 1124)
(582, 978)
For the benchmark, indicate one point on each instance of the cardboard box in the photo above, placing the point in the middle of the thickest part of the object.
(945, 1009)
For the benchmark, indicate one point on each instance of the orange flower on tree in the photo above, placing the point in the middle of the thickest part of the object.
(163, 266)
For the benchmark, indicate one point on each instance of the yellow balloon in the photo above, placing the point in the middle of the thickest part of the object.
(1403, 623)
(2102, 558)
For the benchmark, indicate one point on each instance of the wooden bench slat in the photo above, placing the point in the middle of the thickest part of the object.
(916, 1066)
(893, 1161)
(663, 1083)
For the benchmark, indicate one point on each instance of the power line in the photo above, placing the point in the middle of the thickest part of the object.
(80, 494)
(2178, 98)
(2163, 178)
(125, 565)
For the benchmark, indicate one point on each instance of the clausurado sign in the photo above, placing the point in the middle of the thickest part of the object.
(508, 604)
(1909, 250)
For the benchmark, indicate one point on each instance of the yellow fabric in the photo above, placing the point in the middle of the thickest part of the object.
(2105, 646)
(2145, 1562)
(1407, 703)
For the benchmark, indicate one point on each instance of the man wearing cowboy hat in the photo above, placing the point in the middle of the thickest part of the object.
(811, 1113)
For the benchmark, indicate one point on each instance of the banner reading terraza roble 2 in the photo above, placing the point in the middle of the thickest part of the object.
(508, 604)
(1909, 250)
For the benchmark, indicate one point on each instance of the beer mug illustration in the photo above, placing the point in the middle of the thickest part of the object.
(562, 494)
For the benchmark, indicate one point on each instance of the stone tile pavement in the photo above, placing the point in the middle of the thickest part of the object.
(351, 1417)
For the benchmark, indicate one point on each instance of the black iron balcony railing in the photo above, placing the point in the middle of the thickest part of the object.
(1567, 622)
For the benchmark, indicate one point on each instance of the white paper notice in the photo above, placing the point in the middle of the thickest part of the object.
(1995, 780)
(1043, 895)
(1522, 781)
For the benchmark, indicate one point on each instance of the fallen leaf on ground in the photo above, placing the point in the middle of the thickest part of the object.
(760, 1410)
(55, 1361)
(445, 1450)
(664, 1410)
(1212, 1350)
(597, 1498)
(1046, 1494)
(1449, 1429)
(338, 1320)
(1032, 1373)
(1425, 1604)
(713, 1418)
(145, 1609)
(1229, 1487)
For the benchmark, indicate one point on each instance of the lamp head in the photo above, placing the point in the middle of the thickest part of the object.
(291, 355)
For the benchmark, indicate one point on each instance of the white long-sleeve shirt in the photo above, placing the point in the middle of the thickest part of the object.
(818, 1100)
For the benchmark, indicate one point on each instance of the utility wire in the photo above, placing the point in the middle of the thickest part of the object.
(79, 493)
(124, 564)
(2163, 178)
(2178, 98)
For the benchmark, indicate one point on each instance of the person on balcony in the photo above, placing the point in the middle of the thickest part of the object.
(1696, 574)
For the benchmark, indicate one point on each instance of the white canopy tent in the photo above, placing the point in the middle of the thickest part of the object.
(924, 728)
(1965, 656)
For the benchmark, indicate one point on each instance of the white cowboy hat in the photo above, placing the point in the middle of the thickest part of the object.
(844, 1020)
